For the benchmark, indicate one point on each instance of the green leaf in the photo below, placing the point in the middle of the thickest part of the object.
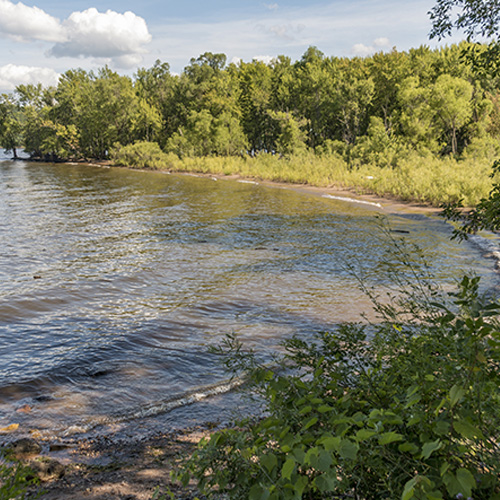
(408, 448)
(288, 468)
(456, 394)
(467, 430)
(466, 481)
(413, 400)
(364, 434)
(326, 482)
(462, 482)
(325, 461)
(316, 401)
(389, 437)
(348, 449)
(300, 485)
(310, 423)
(284, 432)
(325, 408)
(409, 489)
(444, 468)
(269, 461)
(331, 443)
(434, 495)
(305, 410)
(258, 492)
(429, 448)
(416, 419)
(299, 454)
(310, 455)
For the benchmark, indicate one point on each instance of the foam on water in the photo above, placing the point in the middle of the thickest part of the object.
(352, 200)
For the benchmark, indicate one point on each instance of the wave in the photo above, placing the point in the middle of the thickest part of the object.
(352, 200)
(153, 409)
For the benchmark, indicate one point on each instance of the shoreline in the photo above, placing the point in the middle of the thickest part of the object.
(108, 467)
(346, 194)
(113, 469)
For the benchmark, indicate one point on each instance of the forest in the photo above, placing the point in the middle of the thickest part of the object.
(385, 111)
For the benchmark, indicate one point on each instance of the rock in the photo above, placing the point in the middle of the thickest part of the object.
(24, 409)
(47, 469)
(25, 447)
(59, 446)
(9, 428)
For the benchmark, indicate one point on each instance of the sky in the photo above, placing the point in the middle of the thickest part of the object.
(41, 39)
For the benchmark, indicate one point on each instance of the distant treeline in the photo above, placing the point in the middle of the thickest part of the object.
(376, 110)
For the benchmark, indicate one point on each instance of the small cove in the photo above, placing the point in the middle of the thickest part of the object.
(113, 283)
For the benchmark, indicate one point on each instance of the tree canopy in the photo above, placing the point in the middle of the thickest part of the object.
(378, 108)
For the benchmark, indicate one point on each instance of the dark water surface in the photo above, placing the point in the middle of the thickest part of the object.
(113, 283)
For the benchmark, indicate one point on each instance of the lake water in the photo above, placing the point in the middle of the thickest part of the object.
(113, 283)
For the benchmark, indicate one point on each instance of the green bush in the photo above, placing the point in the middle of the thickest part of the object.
(15, 479)
(408, 407)
(142, 154)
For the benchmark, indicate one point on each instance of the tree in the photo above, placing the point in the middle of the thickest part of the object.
(291, 138)
(477, 18)
(255, 80)
(311, 88)
(353, 97)
(10, 125)
(450, 98)
(157, 87)
(35, 103)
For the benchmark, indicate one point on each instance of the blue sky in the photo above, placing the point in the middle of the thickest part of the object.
(41, 39)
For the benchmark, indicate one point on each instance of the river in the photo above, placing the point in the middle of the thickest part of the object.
(113, 283)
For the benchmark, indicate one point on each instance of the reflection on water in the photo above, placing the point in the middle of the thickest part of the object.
(113, 283)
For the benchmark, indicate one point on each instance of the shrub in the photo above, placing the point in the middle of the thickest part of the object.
(142, 154)
(405, 408)
(14, 479)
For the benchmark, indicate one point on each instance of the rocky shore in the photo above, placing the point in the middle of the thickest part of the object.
(101, 468)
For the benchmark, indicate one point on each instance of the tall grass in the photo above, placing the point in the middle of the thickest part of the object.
(428, 180)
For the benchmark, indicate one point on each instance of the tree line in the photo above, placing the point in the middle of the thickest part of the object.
(375, 109)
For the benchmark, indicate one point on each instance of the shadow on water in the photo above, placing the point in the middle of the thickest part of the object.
(160, 369)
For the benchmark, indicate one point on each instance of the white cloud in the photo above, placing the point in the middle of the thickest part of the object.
(104, 35)
(363, 50)
(115, 37)
(271, 6)
(264, 59)
(285, 31)
(12, 75)
(23, 23)
(381, 42)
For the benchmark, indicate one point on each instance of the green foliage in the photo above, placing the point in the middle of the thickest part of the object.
(485, 215)
(142, 154)
(405, 408)
(478, 18)
(291, 139)
(10, 125)
(386, 124)
(15, 479)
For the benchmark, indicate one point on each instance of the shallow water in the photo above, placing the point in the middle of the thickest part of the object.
(113, 283)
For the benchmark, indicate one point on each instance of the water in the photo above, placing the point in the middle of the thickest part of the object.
(113, 283)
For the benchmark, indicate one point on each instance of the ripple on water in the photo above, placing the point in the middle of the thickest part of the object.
(113, 284)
